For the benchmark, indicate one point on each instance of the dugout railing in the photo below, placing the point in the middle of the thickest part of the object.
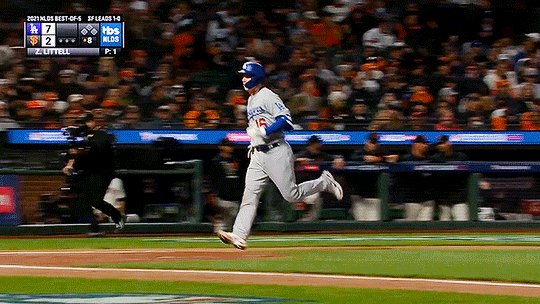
(508, 189)
(176, 189)
(485, 191)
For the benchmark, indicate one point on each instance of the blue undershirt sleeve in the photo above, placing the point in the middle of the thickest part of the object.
(282, 123)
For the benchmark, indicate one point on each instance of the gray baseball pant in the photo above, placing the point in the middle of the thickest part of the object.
(276, 165)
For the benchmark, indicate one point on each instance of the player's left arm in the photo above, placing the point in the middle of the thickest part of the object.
(283, 121)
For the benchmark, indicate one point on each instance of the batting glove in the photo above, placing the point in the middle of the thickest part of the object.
(256, 132)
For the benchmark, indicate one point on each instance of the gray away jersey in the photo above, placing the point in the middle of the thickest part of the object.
(262, 110)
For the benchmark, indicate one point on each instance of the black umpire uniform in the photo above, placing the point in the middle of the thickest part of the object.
(95, 168)
(227, 185)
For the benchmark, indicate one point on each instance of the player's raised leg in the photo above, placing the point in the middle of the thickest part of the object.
(281, 171)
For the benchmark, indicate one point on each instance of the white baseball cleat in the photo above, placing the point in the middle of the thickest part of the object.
(233, 239)
(120, 225)
(332, 185)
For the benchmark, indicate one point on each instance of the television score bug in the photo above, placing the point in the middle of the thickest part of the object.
(73, 35)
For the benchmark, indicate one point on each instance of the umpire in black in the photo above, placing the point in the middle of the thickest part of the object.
(227, 185)
(94, 166)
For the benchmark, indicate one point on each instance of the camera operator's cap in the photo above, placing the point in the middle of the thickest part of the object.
(314, 139)
(75, 98)
(421, 139)
(226, 142)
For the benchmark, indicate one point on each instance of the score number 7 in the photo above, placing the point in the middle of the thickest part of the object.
(48, 29)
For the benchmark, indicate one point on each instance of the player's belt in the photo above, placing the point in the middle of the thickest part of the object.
(266, 148)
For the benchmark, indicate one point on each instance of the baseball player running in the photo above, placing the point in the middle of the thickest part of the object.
(271, 158)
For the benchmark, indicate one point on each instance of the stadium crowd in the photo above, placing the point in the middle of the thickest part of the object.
(338, 65)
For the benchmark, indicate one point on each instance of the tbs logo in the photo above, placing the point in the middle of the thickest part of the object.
(110, 31)
(111, 34)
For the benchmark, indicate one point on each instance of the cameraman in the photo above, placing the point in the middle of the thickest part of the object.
(94, 166)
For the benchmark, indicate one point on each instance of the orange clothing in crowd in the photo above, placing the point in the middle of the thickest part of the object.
(328, 36)
(422, 96)
(441, 127)
(196, 119)
(181, 43)
(498, 123)
(529, 121)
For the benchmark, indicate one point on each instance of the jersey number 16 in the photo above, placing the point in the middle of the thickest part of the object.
(260, 122)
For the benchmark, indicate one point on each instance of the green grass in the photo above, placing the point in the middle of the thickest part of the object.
(519, 265)
(323, 295)
(499, 265)
(258, 241)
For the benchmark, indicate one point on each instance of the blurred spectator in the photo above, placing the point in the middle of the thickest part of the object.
(418, 150)
(305, 105)
(529, 88)
(499, 117)
(306, 170)
(359, 117)
(530, 120)
(379, 37)
(373, 152)
(326, 32)
(502, 71)
(389, 116)
(447, 121)
(233, 111)
(68, 84)
(472, 82)
(5, 121)
(227, 185)
(163, 119)
(35, 118)
(283, 88)
(131, 119)
(446, 151)
(369, 48)
(200, 116)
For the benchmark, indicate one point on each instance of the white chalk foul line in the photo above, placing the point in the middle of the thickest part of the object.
(100, 251)
(277, 274)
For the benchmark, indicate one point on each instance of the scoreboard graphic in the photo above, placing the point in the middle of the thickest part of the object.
(74, 35)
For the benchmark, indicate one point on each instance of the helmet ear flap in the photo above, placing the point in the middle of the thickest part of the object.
(256, 71)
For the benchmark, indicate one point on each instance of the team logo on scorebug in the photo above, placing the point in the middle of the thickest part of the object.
(34, 40)
(130, 298)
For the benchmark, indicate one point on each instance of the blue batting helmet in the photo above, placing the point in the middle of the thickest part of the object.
(256, 70)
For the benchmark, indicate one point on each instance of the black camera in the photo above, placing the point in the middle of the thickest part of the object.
(75, 133)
